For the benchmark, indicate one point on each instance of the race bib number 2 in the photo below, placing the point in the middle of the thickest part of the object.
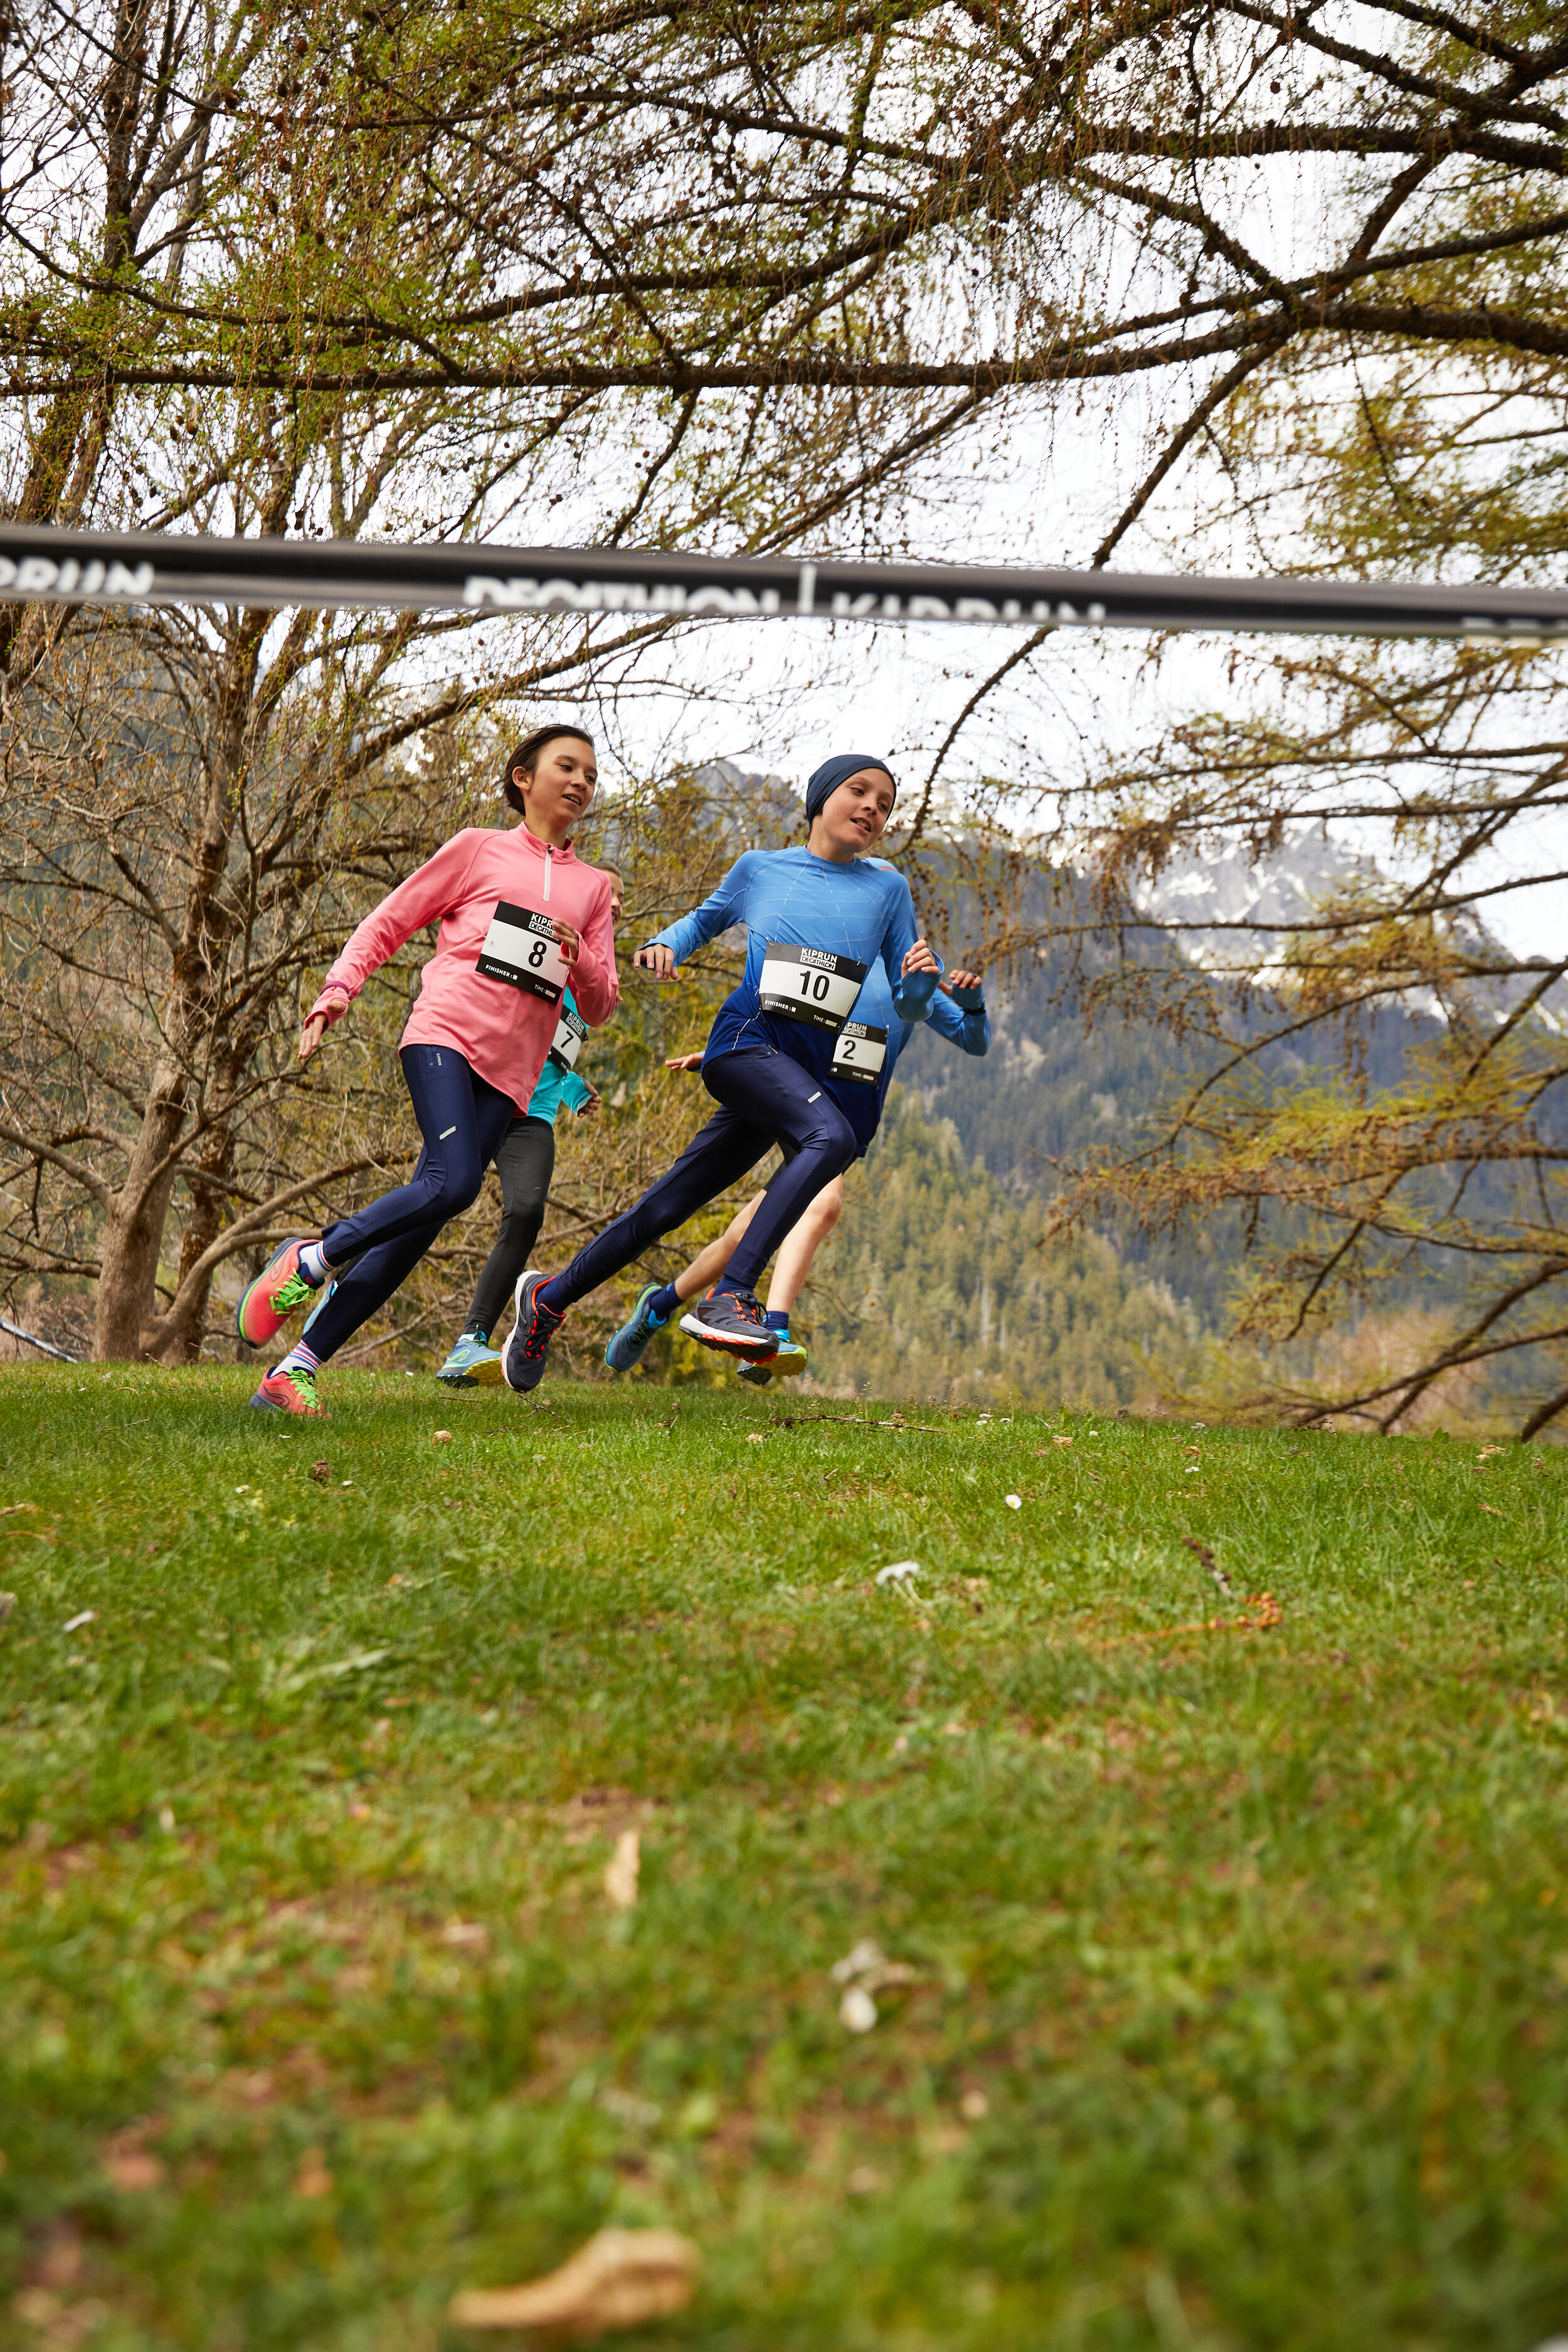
(861, 1053)
(521, 949)
(810, 984)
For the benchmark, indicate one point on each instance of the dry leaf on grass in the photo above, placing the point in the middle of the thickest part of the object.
(132, 2168)
(619, 2279)
(864, 1971)
(622, 1870)
(313, 2179)
(465, 1935)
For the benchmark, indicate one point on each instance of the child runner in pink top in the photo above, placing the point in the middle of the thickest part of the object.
(520, 916)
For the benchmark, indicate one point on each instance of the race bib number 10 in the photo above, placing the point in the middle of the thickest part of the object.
(567, 1042)
(861, 1053)
(521, 949)
(810, 984)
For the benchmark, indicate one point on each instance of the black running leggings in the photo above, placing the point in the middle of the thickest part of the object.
(766, 1099)
(525, 1163)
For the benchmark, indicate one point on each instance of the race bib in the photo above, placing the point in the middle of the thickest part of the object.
(860, 1053)
(521, 949)
(567, 1042)
(810, 984)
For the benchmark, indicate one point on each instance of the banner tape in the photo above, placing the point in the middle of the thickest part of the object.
(83, 567)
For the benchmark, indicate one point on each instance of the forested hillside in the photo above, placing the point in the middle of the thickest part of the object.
(935, 1287)
(1053, 1090)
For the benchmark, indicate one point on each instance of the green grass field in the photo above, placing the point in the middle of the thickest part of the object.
(1236, 1958)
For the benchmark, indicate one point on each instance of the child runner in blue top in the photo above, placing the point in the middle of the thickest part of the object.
(867, 1054)
(816, 919)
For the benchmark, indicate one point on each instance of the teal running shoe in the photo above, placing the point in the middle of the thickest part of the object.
(630, 1342)
(788, 1359)
(472, 1364)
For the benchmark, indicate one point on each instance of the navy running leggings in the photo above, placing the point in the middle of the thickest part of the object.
(766, 1098)
(463, 1120)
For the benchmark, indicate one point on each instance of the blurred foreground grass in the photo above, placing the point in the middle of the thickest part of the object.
(1238, 1956)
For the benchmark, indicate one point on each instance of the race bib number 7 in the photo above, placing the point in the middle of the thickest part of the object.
(861, 1053)
(567, 1042)
(521, 949)
(810, 984)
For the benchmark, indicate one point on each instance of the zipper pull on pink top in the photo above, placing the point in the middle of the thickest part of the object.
(547, 874)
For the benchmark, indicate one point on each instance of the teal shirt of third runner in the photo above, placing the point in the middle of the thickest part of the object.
(559, 1088)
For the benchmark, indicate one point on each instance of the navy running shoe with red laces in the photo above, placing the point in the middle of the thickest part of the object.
(523, 1358)
(734, 1321)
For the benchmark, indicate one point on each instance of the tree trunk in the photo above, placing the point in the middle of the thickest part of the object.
(133, 1232)
(177, 1339)
(129, 1325)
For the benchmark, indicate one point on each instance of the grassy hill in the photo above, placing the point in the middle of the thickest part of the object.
(1234, 1935)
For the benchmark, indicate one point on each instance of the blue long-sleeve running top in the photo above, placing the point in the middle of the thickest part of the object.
(814, 930)
(869, 1047)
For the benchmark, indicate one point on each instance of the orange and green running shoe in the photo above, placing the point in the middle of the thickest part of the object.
(279, 1291)
(290, 1391)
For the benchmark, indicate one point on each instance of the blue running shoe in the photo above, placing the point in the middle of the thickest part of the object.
(472, 1364)
(630, 1343)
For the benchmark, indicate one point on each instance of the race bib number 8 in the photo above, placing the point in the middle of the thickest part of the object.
(861, 1053)
(521, 949)
(567, 1042)
(810, 984)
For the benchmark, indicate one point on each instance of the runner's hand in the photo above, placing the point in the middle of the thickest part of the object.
(685, 1061)
(658, 959)
(965, 980)
(921, 959)
(568, 943)
(595, 1102)
(311, 1034)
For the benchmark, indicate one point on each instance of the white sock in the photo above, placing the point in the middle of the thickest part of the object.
(312, 1265)
(299, 1360)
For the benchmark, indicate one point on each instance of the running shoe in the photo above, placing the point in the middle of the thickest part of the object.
(291, 1392)
(734, 1321)
(323, 1300)
(788, 1359)
(630, 1342)
(472, 1364)
(523, 1359)
(279, 1291)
